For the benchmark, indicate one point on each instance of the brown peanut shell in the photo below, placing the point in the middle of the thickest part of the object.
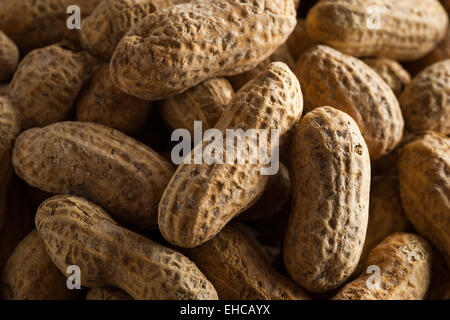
(9, 57)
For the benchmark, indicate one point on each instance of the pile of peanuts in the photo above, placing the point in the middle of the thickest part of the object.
(359, 91)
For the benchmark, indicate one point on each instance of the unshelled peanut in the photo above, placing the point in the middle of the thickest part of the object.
(77, 232)
(424, 175)
(404, 262)
(238, 269)
(9, 57)
(400, 29)
(177, 48)
(96, 162)
(330, 187)
(101, 102)
(330, 78)
(201, 199)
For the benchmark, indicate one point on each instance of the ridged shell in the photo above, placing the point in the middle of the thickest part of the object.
(391, 72)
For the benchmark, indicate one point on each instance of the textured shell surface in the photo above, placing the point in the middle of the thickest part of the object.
(424, 175)
(200, 198)
(235, 265)
(400, 29)
(77, 232)
(426, 100)
(9, 57)
(330, 168)
(405, 269)
(102, 164)
(331, 78)
(176, 48)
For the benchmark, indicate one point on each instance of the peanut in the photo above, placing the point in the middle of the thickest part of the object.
(205, 102)
(386, 215)
(238, 269)
(201, 199)
(101, 102)
(406, 30)
(9, 57)
(424, 171)
(425, 101)
(4, 89)
(46, 84)
(282, 54)
(177, 48)
(299, 41)
(107, 294)
(77, 232)
(39, 23)
(405, 270)
(111, 19)
(31, 275)
(348, 84)
(96, 162)
(330, 187)
(391, 72)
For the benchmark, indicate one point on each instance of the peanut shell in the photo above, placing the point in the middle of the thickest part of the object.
(9, 57)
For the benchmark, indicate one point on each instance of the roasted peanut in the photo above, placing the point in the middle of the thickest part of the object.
(39, 23)
(46, 84)
(424, 175)
(404, 261)
(101, 102)
(205, 102)
(238, 269)
(177, 48)
(399, 30)
(425, 102)
(391, 72)
(201, 198)
(107, 294)
(96, 162)
(329, 77)
(330, 167)
(31, 275)
(282, 54)
(108, 23)
(77, 232)
(9, 57)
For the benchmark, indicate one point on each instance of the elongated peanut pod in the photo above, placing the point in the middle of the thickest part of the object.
(77, 232)
(9, 57)
(174, 49)
(201, 198)
(331, 182)
(400, 269)
(400, 30)
(330, 78)
(238, 269)
(96, 162)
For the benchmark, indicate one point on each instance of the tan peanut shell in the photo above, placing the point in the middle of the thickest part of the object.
(330, 167)
(329, 77)
(9, 57)
(179, 47)
(77, 232)
(111, 19)
(238, 269)
(425, 102)
(299, 41)
(386, 215)
(282, 54)
(46, 84)
(201, 199)
(31, 275)
(96, 162)
(107, 294)
(399, 30)
(405, 271)
(424, 175)
(101, 102)
(275, 197)
(391, 72)
(39, 23)
(205, 102)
